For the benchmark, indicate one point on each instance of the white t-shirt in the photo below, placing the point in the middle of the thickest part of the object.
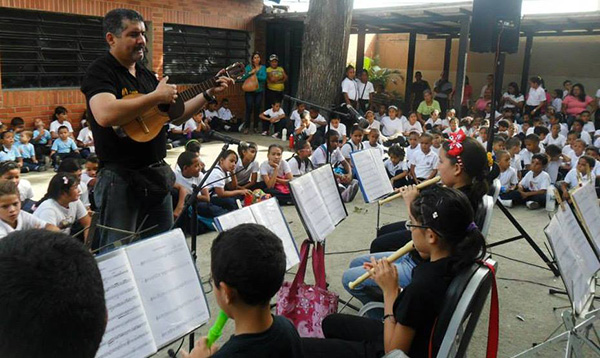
(557, 103)
(574, 159)
(341, 129)
(559, 141)
(25, 189)
(225, 114)
(552, 169)
(319, 156)
(598, 96)
(55, 125)
(392, 169)
(219, 178)
(438, 122)
(25, 221)
(320, 121)
(299, 167)
(571, 178)
(515, 163)
(424, 163)
(585, 136)
(540, 182)
(310, 130)
(243, 175)
(407, 127)
(272, 114)
(172, 127)
(391, 126)
(351, 88)
(508, 178)
(350, 147)
(375, 125)
(589, 127)
(379, 147)
(188, 183)
(363, 92)
(536, 96)
(53, 213)
(209, 115)
(410, 152)
(526, 156)
(85, 194)
(190, 125)
(266, 169)
(296, 118)
(86, 137)
(507, 104)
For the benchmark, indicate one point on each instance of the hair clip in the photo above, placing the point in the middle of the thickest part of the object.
(65, 180)
(456, 147)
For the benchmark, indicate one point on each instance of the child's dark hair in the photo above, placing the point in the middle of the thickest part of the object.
(414, 134)
(229, 152)
(498, 139)
(193, 146)
(593, 149)
(396, 150)
(60, 184)
(17, 121)
(578, 121)
(355, 127)
(540, 130)
(543, 158)
(591, 161)
(449, 214)
(558, 93)
(532, 138)
(69, 165)
(249, 258)
(503, 123)
(58, 110)
(299, 145)
(426, 135)
(501, 153)
(92, 159)
(61, 128)
(7, 166)
(8, 187)
(244, 147)
(572, 132)
(51, 295)
(513, 142)
(185, 159)
(332, 133)
(5, 133)
(277, 101)
(273, 146)
(475, 163)
(553, 150)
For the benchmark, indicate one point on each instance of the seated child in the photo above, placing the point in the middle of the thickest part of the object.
(555, 160)
(297, 115)
(17, 126)
(438, 139)
(577, 175)
(88, 177)
(424, 163)
(396, 167)
(189, 176)
(340, 128)
(230, 121)
(63, 147)
(85, 140)
(453, 127)
(508, 175)
(588, 125)
(412, 125)
(594, 152)
(513, 147)
(41, 139)
(531, 190)
(373, 141)
(503, 126)
(392, 127)
(434, 120)
(373, 124)
(275, 116)
(72, 166)
(178, 134)
(353, 145)
(532, 147)
(483, 136)
(12, 218)
(413, 146)
(212, 115)
(441, 221)
(306, 131)
(578, 150)
(276, 174)
(61, 206)
(196, 127)
(10, 171)
(555, 137)
(60, 118)
(10, 152)
(578, 128)
(243, 287)
(27, 151)
(247, 168)
(222, 183)
(51, 287)
(300, 163)
(498, 144)
(321, 123)
(380, 113)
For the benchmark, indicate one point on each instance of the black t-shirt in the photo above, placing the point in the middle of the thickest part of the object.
(421, 302)
(281, 340)
(106, 74)
(417, 89)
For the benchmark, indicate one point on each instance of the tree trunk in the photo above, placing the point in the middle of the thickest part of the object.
(324, 50)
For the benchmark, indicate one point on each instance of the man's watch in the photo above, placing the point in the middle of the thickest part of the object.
(208, 97)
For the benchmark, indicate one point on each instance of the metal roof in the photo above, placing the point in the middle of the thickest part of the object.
(442, 21)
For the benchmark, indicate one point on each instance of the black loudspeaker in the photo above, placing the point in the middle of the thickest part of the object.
(491, 18)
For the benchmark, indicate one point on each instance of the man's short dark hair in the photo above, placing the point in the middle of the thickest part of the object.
(113, 20)
(51, 295)
(250, 259)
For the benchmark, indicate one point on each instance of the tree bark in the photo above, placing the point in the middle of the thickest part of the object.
(324, 51)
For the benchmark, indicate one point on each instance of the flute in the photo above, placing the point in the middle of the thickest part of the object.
(421, 185)
(393, 257)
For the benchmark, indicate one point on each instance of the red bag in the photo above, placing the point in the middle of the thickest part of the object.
(307, 305)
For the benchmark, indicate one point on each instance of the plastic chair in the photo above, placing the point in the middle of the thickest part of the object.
(495, 189)
(488, 203)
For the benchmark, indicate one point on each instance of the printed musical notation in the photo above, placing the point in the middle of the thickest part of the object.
(373, 178)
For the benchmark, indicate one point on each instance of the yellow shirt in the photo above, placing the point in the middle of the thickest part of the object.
(275, 73)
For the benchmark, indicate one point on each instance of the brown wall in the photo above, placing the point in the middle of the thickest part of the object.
(554, 58)
(231, 14)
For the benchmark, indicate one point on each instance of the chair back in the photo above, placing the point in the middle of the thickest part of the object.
(465, 299)
(488, 205)
(495, 189)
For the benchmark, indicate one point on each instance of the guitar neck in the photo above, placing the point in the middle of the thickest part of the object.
(197, 89)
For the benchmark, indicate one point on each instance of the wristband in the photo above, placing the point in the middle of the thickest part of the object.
(208, 97)
(386, 317)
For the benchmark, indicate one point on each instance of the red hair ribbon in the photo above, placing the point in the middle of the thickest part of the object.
(456, 139)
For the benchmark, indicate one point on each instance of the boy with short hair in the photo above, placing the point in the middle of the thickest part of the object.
(584, 164)
(542, 133)
(17, 126)
(508, 175)
(229, 119)
(513, 147)
(438, 139)
(424, 163)
(413, 146)
(10, 152)
(340, 128)
(555, 160)
(498, 144)
(42, 139)
(578, 150)
(532, 147)
(532, 188)
(275, 116)
(588, 125)
(555, 137)
(396, 167)
(578, 127)
(63, 147)
(373, 141)
(306, 130)
(27, 151)
(243, 288)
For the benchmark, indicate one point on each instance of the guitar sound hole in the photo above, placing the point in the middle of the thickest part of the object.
(164, 107)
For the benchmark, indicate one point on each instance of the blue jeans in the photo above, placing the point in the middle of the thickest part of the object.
(404, 265)
(119, 208)
(253, 104)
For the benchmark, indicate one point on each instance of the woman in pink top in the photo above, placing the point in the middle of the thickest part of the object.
(483, 101)
(577, 101)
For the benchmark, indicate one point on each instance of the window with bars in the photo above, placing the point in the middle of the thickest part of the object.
(46, 49)
(192, 54)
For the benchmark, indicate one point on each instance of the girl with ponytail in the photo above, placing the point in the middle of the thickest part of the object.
(448, 241)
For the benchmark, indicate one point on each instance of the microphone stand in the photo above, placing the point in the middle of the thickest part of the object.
(192, 202)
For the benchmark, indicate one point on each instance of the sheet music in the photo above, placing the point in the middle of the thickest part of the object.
(127, 331)
(235, 218)
(312, 208)
(373, 178)
(268, 214)
(169, 286)
(328, 189)
(586, 202)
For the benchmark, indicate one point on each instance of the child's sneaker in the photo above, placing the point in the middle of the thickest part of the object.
(275, 135)
(264, 133)
(41, 168)
(532, 205)
(227, 128)
(241, 127)
(506, 203)
(350, 192)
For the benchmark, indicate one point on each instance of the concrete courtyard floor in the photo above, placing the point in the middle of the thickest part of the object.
(527, 311)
